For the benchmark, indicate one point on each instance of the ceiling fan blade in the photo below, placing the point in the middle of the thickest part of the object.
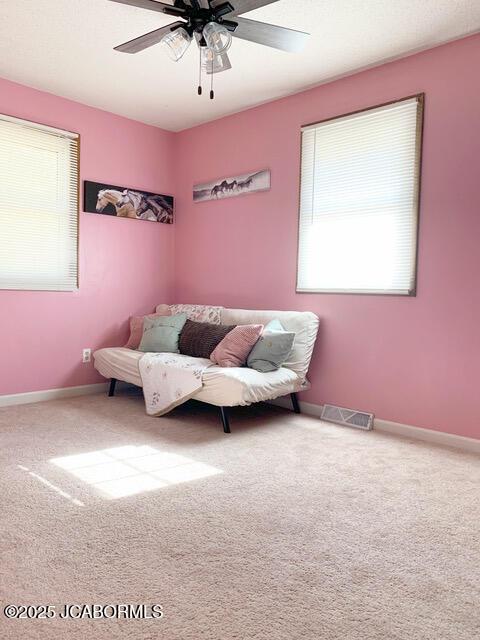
(270, 35)
(153, 5)
(148, 39)
(242, 6)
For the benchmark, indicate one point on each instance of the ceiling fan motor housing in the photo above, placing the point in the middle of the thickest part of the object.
(197, 17)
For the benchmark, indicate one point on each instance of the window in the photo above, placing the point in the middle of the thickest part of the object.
(38, 206)
(359, 201)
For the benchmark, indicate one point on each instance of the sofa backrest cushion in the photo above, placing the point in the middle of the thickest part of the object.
(303, 323)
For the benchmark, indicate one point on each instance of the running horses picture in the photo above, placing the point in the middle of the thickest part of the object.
(230, 187)
(123, 202)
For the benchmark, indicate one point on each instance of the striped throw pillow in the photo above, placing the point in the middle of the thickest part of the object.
(233, 350)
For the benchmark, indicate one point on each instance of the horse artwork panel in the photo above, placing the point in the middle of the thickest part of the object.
(123, 202)
(230, 187)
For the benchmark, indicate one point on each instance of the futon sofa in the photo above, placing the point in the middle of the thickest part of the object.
(232, 386)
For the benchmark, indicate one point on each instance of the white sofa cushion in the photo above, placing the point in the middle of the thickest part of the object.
(222, 386)
(232, 386)
(119, 363)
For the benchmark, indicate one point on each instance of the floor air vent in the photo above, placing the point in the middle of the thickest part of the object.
(347, 417)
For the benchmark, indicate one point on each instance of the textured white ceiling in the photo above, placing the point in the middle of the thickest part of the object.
(66, 47)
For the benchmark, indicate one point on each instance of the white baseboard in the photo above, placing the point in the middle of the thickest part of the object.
(52, 394)
(471, 445)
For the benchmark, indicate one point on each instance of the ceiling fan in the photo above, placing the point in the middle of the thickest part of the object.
(212, 23)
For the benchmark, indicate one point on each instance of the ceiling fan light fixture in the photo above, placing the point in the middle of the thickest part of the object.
(214, 62)
(175, 43)
(217, 37)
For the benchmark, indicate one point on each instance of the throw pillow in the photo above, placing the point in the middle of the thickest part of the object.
(136, 328)
(197, 312)
(272, 349)
(233, 350)
(160, 335)
(199, 339)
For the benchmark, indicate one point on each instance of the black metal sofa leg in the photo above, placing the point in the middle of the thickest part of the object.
(111, 388)
(225, 422)
(295, 403)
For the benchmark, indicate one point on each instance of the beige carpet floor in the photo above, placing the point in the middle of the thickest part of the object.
(287, 529)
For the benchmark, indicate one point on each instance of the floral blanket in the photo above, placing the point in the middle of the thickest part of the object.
(169, 379)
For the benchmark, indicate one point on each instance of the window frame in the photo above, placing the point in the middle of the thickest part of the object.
(420, 98)
(74, 135)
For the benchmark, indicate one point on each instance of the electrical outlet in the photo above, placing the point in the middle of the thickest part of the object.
(87, 355)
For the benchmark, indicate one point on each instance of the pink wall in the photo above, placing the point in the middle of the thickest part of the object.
(125, 265)
(410, 360)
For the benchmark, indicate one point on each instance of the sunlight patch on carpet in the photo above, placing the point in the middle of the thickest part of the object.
(131, 469)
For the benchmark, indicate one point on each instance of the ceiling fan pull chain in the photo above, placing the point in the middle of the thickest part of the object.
(212, 94)
(199, 90)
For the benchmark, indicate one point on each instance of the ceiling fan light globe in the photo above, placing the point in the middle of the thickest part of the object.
(214, 62)
(176, 43)
(218, 39)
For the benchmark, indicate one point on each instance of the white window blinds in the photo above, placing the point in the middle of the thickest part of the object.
(38, 206)
(359, 201)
